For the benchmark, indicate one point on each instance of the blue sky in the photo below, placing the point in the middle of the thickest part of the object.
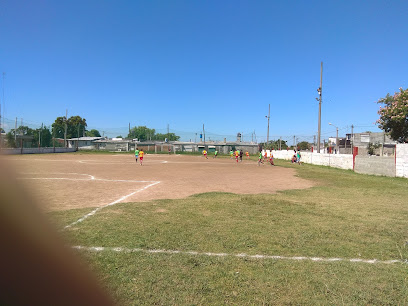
(185, 63)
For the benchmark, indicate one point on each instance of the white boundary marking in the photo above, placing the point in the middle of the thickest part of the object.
(242, 255)
(127, 162)
(79, 179)
(92, 178)
(94, 162)
(110, 204)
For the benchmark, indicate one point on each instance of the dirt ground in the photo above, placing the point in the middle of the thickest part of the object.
(68, 181)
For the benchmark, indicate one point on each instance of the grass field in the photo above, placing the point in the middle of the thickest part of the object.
(145, 257)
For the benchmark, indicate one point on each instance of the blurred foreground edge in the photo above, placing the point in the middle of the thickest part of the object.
(36, 268)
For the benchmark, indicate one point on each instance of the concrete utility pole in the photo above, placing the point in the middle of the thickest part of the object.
(204, 133)
(15, 132)
(2, 118)
(337, 137)
(319, 90)
(77, 144)
(337, 140)
(269, 115)
(39, 135)
(352, 139)
(65, 133)
(0, 113)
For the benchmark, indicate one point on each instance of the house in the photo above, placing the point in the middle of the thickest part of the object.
(381, 142)
(83, 143)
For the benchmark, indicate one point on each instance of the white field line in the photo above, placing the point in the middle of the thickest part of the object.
(79, 179)
(43, 159)
(127, 162)
(66, 173)
(110, 204)
(243, 255)
(210, 163)
(91, 178)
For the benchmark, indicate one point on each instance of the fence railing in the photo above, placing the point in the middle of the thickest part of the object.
(8, 151)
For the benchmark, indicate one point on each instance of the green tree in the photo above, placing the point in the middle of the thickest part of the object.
(274, 145)
(21, 130)
(142, 133)
(58, 127)
(75, 125)
(304, 145)
(169, 136)
(43, 137)
(93, 133)
(10, 139)
(394, 115)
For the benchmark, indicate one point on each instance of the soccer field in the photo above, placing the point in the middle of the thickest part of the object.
(67, 181)
(185, 230)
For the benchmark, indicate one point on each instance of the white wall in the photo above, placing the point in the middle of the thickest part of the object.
(343, 161)
(384, 165)
(401, 160)
(375, 165)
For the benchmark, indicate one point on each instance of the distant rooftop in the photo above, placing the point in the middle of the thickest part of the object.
(86, 138)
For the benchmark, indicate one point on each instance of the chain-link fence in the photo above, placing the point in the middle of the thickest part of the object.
(19, 132)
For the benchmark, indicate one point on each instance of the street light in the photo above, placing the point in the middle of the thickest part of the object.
(337, 136)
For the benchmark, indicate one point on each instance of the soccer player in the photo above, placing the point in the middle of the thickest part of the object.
(260, 158)
(241, 152)
(205, 154)
(236, 155)
(271, 159)
(231, 154)
(266, 155)
(215, 153)
(298, 156)
(247, 154)
(141, 153)
(136, 154)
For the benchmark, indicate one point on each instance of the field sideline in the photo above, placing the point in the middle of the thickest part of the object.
(316, 236)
